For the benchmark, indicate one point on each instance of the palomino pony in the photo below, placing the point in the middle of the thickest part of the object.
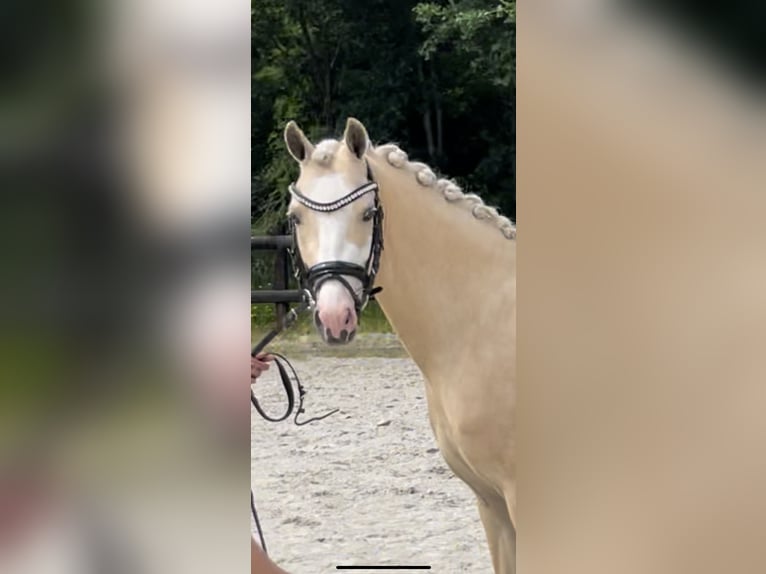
(367, 218)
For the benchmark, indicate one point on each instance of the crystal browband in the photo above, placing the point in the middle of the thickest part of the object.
(333, 205)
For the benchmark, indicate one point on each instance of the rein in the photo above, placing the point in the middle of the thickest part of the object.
(283, 364)
(310, 280)
(287, 383)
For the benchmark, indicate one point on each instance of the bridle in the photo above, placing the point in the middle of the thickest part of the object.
(312, 278)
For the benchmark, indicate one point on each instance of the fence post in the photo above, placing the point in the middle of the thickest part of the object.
(280, 281)
(281, 296)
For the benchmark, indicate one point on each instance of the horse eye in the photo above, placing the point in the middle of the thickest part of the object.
(369, 214)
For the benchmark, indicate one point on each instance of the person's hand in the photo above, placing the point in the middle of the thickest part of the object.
(258, 364)
(259, 562)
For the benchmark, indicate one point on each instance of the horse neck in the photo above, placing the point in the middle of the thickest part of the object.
(441, 270)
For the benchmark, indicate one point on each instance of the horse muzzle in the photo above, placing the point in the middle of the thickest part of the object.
(336, 324)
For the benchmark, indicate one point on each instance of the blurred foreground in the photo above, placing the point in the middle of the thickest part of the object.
(642, 287)
(124, 329)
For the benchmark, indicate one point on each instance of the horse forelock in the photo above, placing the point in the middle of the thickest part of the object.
(325, 151)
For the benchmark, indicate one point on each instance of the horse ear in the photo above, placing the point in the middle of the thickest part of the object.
(297, 143)
(356, 137)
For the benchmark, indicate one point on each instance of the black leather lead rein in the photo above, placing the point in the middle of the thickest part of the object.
(310, 280)
(283, 364)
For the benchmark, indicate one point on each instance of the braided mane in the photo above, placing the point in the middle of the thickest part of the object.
(325, 151)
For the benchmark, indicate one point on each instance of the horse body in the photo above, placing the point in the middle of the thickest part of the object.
(449, 292)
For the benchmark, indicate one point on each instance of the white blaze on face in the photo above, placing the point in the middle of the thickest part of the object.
(337, 239)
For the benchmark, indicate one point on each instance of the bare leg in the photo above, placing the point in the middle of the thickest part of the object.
(510, 501)
(501, 536)
(491, 530)
(260, 563)
(510, 546)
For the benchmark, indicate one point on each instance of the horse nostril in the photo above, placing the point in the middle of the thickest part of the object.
(348, 316)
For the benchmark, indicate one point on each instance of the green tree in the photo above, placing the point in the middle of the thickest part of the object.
(436, 77)
(473, 44)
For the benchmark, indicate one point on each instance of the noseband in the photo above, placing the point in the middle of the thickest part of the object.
(312, 278)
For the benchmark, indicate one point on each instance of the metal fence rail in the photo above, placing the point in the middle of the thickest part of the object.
(281, 296)
(271, 242)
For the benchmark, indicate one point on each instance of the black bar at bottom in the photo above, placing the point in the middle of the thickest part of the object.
(382, 567)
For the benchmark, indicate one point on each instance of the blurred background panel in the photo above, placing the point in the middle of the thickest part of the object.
(642, 289)
(124, 223)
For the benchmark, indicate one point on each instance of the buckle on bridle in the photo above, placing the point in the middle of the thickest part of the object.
(308, 299)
